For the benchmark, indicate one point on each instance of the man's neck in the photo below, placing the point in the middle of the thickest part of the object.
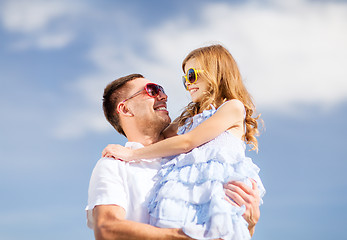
(145, 140)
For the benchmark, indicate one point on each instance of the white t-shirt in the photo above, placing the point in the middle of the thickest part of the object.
(126, 184)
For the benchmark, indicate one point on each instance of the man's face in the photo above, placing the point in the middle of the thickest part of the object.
(150, 113)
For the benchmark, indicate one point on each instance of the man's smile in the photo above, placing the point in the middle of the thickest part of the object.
(161, 107)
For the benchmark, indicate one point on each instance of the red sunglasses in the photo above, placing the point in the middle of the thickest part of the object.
(151, 89)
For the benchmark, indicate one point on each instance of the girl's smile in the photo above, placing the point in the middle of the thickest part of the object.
(192, 90)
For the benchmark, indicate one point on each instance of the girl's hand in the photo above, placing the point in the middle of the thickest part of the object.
(118, 152)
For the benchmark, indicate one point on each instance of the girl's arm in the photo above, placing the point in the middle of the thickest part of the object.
(230, 115)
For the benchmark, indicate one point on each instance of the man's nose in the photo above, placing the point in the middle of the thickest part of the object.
(162, 96)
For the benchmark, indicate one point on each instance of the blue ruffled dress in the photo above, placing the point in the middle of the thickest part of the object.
(189, 191)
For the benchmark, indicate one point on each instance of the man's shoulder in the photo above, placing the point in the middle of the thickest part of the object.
(109, 165)
(109, 162)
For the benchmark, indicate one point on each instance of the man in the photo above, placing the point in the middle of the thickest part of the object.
(119, 191)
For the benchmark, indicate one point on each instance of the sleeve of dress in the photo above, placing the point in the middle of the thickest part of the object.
(106, 186)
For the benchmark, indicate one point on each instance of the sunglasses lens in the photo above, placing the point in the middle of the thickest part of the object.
(184, 81)
(161, 89)
(191, 76)
(152, 90)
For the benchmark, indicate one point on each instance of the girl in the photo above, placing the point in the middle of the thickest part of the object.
(210, 143)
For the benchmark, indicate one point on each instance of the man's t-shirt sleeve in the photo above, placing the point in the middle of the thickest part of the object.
(107, 186)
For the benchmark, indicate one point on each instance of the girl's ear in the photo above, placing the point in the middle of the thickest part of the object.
(122, 109)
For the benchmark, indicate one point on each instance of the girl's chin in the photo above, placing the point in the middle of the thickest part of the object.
(195, 100)
(195, 97)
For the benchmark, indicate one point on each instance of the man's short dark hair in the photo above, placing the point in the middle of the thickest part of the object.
(114, 93)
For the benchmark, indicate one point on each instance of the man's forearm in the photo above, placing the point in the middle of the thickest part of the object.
(128, 230)
(110, 224)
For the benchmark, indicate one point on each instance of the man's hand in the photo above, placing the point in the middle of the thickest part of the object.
(241, 194)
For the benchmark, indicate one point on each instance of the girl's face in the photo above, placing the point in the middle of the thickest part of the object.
(198, 88)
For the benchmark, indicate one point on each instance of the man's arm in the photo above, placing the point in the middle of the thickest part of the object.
(244, 195)
(107, 201)
(110, 224)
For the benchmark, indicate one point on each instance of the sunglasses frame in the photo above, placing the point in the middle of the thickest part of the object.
(186, 80)
(160, 88)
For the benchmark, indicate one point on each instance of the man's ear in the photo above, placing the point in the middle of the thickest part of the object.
(122, 109)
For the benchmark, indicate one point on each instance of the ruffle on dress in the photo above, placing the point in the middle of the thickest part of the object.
(196, 120)
(189, 190)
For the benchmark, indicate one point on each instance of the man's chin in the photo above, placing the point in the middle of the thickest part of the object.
(164, 115)
(166, 120)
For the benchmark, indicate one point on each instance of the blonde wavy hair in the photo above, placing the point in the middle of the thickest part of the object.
(224, 81)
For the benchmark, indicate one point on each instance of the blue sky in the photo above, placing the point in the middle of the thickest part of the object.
(56, 57)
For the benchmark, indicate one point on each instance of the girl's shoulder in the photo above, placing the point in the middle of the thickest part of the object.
(234, 113)
(233, 105)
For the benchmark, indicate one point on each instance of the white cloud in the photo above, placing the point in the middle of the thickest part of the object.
(55, 40)
(28, 16)
(44, 41)
(77, 123)
(40, 23)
